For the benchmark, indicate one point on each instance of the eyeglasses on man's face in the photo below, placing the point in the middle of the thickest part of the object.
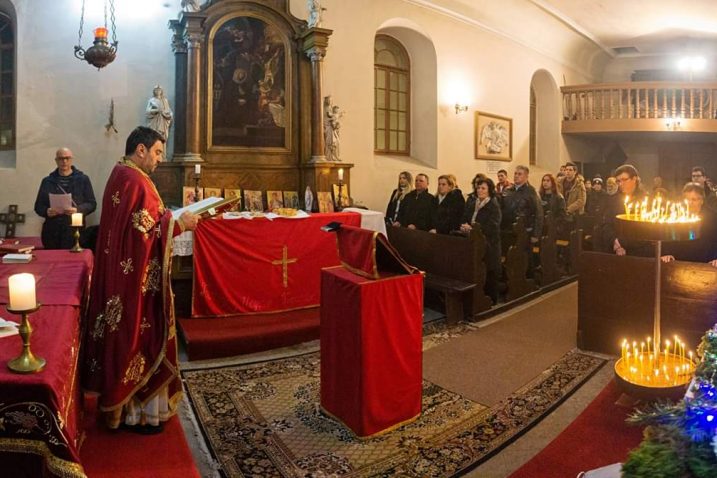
(63, 158)
(622, 179)
(697, 175)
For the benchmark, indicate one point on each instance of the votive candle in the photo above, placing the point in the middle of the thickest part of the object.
(22, 291)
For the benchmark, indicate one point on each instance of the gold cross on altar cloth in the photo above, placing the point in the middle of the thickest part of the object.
(285, 261)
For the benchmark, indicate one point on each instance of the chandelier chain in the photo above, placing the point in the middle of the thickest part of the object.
(82, 22)
(112, 18)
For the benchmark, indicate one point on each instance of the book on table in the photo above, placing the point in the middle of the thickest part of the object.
(16, 258)
(207, 207)
(16, 248)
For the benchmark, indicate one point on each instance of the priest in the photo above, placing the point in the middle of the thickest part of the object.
(130, 343)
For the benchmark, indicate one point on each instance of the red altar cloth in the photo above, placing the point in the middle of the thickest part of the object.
(253, 266)
(371, 355)
(41, 412)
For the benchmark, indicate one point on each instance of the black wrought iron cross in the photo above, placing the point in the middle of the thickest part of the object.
(11, 219)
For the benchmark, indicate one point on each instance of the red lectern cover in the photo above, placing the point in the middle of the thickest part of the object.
(365, 252)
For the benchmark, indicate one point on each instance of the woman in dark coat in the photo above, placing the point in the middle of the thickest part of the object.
(405, 186)
(482, 208)
(553, 202)
(449, 205)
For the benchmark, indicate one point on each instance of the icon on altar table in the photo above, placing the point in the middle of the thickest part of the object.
(326, 203)
(231, 194)
(253, 201)
(212, 192)
(189, 196)
(274, 200)
(308, 200)
(345, 200)
(291, 199)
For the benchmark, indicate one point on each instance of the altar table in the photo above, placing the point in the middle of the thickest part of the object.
(255, 266)
(40, 426)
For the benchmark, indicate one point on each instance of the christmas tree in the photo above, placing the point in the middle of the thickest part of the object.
(681, 439)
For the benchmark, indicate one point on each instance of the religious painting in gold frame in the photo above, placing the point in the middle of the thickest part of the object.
(253, 201)
(274, 200)
(326, 202)
(212, 192)
(231, 194)
(189, 196)
(345, 201)
(493, 137)
(291, 199)
(249, 84)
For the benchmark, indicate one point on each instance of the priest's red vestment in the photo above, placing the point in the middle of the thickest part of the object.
(130, 338)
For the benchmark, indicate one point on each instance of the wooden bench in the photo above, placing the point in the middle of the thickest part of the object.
(453, 291)
(453, 265)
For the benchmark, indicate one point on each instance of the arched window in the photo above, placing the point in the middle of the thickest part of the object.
(392, 97)
(7, 83)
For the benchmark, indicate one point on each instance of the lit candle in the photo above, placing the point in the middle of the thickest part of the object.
(197, 169)
(77, 219)
(341, 174)
(22, 291)
(100, 33)
(627, 209)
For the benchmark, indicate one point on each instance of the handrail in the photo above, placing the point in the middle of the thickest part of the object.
(640, 100)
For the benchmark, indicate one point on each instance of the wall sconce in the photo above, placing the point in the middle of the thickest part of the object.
(461, 108)
(672, 123)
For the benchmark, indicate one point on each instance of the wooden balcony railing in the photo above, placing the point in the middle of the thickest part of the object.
(640, 106)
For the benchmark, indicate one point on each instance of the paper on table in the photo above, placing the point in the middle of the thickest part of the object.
(8, 328)
(16, 258)
(60, 202)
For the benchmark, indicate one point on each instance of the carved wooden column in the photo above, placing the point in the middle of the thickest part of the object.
(179, 47)
(315, 40)
(193, 38)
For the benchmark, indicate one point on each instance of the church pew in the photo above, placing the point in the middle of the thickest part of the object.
(616, 300)
(453, 264)
(517, 262)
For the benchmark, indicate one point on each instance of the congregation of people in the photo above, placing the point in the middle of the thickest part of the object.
(571, 201)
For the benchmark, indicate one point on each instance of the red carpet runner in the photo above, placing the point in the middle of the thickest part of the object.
(598, 437)
(122, 454)
(237, 335)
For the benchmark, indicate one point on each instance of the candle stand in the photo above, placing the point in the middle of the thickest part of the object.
(651, 372)
(339, 201)
(76, 247)
(26, 362)
(196, 186)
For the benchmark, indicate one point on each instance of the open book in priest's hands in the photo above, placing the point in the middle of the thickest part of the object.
(207, 207)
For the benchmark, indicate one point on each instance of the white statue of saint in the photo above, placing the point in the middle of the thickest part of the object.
(332, 126)
(308, 199)
(159, 114)
(315, 12)
(190, 5)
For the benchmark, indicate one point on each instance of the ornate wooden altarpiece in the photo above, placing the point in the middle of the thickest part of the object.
(248, 104)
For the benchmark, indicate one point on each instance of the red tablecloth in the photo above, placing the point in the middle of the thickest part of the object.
(40, 413)
(253, 266)
(371, 349)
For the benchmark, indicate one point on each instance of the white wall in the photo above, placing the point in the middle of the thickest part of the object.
(65, 102)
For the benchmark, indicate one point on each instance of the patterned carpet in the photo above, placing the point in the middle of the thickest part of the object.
(263, 420)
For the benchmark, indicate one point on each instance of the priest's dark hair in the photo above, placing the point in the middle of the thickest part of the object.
(142, 135)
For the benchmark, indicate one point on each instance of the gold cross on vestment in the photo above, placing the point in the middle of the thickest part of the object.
(284, 262)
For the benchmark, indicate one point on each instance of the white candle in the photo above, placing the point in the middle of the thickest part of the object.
(341, 174)
(22, 291)
(77, 219)
(197, 169)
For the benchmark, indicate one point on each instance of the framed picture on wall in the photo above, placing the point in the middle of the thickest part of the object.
(493, 137)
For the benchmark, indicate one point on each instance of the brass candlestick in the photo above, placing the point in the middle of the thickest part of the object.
(26, 362)
(339, 203)
(196, 187)
(76, 247)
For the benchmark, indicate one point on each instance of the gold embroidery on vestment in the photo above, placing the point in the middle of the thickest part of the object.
(144, 325)
(151, 278)
(115, 198)
(135, 369)
(110, 318)
(127, 265)
(143, 222)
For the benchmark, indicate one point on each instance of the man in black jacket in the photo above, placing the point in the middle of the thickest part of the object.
(418, 210)
(521, 200)
(66, 179)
